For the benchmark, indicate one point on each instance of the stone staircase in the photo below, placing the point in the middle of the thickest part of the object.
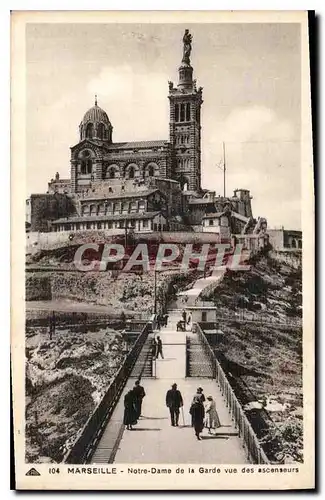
(197, 361)
(144, 366)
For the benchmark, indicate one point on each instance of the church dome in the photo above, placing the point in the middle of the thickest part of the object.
(96, 125)
(96, 114)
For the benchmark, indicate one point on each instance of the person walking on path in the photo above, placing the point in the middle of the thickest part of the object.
(212, 420)
(184, 319)
(130, 413)
(139, 393)
(154, 348)
(199, 396)
(159, 348)
(174, 402)
(165, 319)
(197, 412)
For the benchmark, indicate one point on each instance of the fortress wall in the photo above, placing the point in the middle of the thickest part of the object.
(48, 241)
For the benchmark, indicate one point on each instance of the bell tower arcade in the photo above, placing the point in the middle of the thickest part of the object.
(185, 123)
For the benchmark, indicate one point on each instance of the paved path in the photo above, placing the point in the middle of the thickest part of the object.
(153, 439)
(193, 293)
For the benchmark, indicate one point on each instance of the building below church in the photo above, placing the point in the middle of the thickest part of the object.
(143, 186)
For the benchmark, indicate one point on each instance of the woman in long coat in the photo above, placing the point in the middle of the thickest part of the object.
(212, 420)
(197, 412)
(130, 410)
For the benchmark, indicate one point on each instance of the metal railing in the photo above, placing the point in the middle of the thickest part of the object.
(85, 444)
(207, 349)
(253, 448)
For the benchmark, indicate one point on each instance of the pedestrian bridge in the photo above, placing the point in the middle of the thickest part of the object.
(190, 362)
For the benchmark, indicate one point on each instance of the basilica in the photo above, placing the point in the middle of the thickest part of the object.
(145, 186)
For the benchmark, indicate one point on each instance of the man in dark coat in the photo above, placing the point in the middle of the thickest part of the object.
(139, 393)
(130, 414)
(159, 347)
(198, 396)
(174, 402)
(197, 412)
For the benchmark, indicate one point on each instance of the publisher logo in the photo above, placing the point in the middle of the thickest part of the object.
(32, 472)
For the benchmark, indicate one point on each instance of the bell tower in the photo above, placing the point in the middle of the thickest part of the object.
(185, 123)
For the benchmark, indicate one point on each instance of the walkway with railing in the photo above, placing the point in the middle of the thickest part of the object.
(254, 451)
(153, 439)
(104, 438)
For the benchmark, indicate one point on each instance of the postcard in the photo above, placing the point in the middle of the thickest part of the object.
(162, 251)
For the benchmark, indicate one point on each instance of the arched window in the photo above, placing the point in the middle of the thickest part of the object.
(151, 170)
(299, 244)
(90, 131)
(111, 171)
(182, 113)
(110, 190)
(176, 112)
(93, 209)
(188, 111)
(89, 166)
(86, 166)
(131, 171)
(293, 243)
(184, 184)
(101, 131)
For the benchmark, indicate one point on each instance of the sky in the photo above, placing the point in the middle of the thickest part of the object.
(250, 74)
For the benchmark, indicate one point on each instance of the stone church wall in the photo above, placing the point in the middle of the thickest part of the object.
(48, 207)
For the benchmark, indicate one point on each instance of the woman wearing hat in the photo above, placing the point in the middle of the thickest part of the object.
(197, 412)
(212, 420)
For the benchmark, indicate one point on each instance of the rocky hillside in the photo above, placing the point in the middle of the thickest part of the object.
(65, 379)
(128, 292)
(261, 348)
(67, 375)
